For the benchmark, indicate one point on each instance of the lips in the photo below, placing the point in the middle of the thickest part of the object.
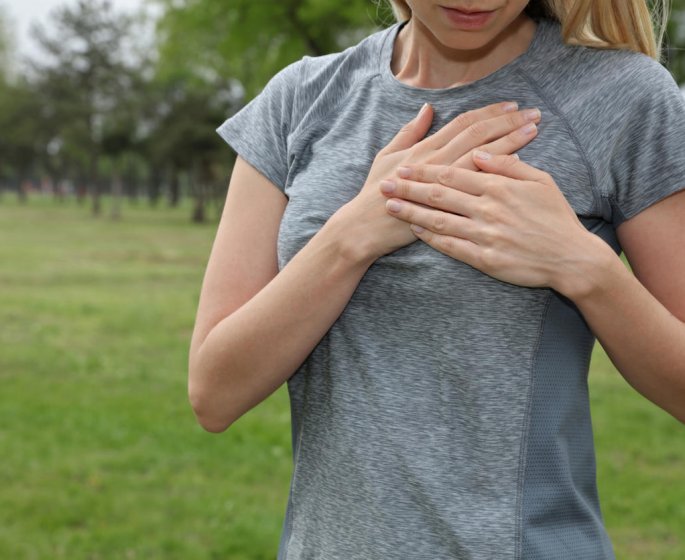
(468, 11)
(472, 20)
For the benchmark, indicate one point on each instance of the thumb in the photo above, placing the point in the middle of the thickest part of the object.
(413, 131)
(508, 166)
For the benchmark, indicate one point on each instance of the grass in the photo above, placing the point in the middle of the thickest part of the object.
(101, 455)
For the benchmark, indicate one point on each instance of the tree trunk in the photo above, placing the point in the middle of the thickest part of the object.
(174, 188)
(154, 187)
(95, 186)
(197, 188)
(117, 193)
(22, 191)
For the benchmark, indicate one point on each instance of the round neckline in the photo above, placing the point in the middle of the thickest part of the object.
(391, 82)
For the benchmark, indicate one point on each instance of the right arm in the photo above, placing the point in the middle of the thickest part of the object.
(255, 325)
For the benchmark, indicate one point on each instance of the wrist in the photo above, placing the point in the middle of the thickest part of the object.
(349, 239)
(591, 270)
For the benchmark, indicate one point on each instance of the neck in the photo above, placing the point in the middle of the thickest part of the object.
(419, 59)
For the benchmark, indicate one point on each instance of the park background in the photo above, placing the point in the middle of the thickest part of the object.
(112, 181)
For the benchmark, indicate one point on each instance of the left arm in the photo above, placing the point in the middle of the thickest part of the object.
(514, 224)
(640, 320)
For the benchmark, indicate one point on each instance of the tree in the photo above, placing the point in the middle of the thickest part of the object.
(216, 54)
(84, 76)
(674, 42)
(6, 46)
(23, 139)
(250, 40)
(182, 140)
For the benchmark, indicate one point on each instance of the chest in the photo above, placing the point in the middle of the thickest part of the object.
(331, 160)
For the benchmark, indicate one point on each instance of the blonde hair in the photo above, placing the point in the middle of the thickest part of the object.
(604, 24)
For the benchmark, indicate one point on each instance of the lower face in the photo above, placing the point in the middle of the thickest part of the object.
(464, 24)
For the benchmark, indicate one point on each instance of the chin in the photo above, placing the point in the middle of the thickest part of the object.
(467, 41)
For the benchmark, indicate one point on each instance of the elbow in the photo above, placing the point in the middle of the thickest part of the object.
(211, 425)
(206, 414)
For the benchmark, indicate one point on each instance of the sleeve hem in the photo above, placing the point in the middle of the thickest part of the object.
(247, 150)
(619, 216)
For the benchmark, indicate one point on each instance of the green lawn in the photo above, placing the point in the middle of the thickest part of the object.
(101, 455)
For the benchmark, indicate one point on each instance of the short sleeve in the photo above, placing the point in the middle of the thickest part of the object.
(259, 131)
(648, 158)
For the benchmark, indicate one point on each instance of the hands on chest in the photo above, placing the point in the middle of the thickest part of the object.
(510, 220)
(498, 214)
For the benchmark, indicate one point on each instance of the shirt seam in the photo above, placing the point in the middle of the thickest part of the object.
(295, 138)
(596, 193)
(372, 73)
(523, 454)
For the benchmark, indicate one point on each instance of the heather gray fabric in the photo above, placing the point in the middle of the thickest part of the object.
(445, 414)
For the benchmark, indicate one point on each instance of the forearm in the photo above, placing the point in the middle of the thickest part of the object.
(644, 340)
(253, 351)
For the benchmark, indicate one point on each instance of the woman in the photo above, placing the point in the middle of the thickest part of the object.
(433, 308)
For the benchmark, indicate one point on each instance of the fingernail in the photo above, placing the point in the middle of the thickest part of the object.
(423, 108)
(387, 186)
(516, 156)
(417, 229)
(509, 107)
(404, 171)
(531, 114)
(480, 154)
(528, 128)
(394, 206)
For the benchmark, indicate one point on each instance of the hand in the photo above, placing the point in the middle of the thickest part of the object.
(364, 219)
(511, 221)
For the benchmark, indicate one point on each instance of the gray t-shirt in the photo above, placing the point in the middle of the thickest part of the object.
(445, 414)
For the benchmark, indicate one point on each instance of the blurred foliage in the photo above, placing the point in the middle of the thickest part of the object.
(6, 44)
(674, 42)
(250, 40)
(86, 87)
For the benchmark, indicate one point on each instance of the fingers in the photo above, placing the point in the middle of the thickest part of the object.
(508, 144)
(464, 120)
(431, 194)
(413, 131)
(444, 223)
(464, 180)
(509, 166)
(463, 250)
(482, 132)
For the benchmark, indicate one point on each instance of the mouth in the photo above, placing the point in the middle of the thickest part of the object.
(468, 11)
(468, 19)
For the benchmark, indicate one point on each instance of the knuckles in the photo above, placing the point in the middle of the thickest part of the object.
(490, 235)
(402, 189)
(463, 120)
(488, 259)
(492, 186)
(488, 212)
(514, 121)
(477, 130)
(446, 243)
(436, 194)
(439, 223)
(447, 175)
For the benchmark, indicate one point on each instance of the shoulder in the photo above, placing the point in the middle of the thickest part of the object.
(313, 86)
(610, 77)
(342, 69)
(625, 72)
